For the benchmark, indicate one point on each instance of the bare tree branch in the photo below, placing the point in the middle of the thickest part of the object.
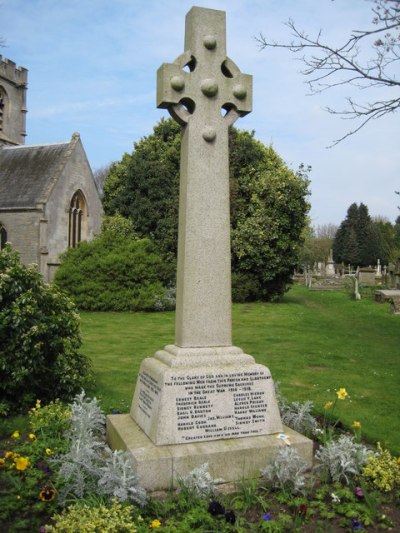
(328, 66)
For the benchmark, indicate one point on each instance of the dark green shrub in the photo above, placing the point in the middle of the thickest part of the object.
(245, 288)
(39, 338)
(115, 272)
(268, 206)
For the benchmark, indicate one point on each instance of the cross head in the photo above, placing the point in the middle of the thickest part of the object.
(203, 84)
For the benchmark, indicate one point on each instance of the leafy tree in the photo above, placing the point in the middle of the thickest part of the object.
(351, 63)
(116, 271)
(267, 229)
(268, 205)
(359, 240)
(39, 338)
(390, 239)
(318, 242)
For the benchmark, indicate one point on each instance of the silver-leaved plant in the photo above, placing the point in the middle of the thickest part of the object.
(298, 416)
(89, 466)
(118, 478)
(199, 481)
(287, 471)
(342, 459)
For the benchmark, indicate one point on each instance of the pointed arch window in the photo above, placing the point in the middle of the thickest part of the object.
(3, 236)
(77, 220)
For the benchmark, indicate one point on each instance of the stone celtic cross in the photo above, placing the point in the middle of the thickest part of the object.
(202, 388)
(205, 92)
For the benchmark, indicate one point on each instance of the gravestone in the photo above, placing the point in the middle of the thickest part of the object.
(366, 276)
(378, 273)
(202, 399)
(330, 267)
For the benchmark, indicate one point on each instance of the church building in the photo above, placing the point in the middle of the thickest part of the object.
(49, 201)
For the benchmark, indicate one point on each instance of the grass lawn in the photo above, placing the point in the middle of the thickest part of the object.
(313, 343)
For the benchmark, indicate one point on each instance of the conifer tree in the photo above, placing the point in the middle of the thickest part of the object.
(359, 240)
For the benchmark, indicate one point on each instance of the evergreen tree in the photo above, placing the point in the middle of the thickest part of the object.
(359, 241)
(268, 206)
(144, 187)
(345, 245)
(116, 271)
(366, 237)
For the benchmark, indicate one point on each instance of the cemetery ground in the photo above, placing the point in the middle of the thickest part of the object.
(315, 343)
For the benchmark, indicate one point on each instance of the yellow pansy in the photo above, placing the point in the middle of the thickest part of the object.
(22, 463)
(341, 394)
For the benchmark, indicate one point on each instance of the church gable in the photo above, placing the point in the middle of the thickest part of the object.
(73, 210)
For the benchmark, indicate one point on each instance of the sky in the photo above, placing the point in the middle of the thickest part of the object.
(92, 69)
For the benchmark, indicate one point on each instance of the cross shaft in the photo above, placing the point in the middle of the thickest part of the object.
(205, 100)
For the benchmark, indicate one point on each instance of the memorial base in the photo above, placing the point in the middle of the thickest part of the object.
(230, 460)
(186, 395)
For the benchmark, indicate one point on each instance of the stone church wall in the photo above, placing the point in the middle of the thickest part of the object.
(23, 233)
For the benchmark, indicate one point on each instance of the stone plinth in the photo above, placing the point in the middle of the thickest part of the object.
(160, 467)
(196, 394)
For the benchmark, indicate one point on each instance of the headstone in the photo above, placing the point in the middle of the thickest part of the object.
(357, 294)
(202, 399)
(330, 267)
(378, 273)
(366, 276)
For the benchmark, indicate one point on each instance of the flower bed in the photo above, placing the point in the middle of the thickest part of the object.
(58, 474)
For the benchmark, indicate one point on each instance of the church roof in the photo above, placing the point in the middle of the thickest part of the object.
(28, 172)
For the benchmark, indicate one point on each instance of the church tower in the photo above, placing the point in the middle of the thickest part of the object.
(13, 86)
